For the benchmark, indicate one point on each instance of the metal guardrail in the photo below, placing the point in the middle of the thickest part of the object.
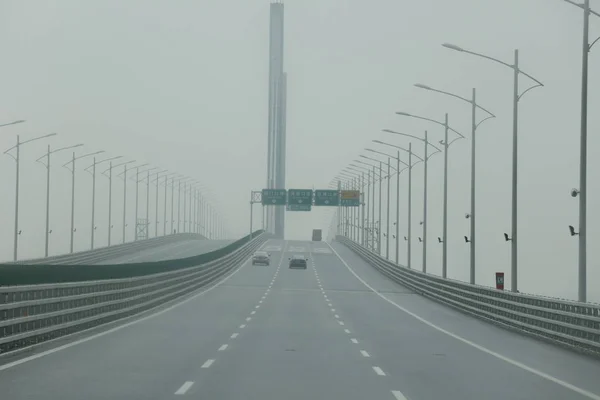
(107, 253)
(38, 313)
(576, 325)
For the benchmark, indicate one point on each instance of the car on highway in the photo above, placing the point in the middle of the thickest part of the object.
(261, 257)
(298, 261)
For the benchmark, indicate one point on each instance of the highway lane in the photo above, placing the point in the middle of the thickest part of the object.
(148, 359)
(168, 251)
(430, 363)
(271, 332)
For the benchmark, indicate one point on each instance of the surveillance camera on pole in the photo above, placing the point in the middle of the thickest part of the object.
(574, 192)
(467, 215)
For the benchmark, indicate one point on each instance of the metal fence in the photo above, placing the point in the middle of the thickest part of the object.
(38, 313)
(569, 323)
(106, 253)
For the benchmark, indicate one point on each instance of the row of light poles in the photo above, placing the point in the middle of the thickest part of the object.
(517, 96)
(202, 219)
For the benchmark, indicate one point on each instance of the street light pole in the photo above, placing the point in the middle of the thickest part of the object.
(445, 217)
(387, 225)
(48, 190)
(17, 159)
(514, 197)
(425, 208)
(474, 126)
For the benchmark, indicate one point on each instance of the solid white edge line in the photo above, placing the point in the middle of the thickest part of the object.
(364, 353)
(223, 347)
(468, 342)
(123, 326)
(234, 335)
(184, 388)
(398, 395)
(378, 371)
(207, 364)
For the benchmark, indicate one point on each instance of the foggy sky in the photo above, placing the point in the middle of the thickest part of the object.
(183, 86)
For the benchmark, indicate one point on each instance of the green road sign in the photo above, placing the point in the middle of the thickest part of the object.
(299, 207)
(350, 198)
(327, 198)
(300, 196)
(273, 197)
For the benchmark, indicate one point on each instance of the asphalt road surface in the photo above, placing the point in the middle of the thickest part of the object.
(169, 251)
(338, 330)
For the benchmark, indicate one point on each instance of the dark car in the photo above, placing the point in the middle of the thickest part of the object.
(298, 261)
(261, 257)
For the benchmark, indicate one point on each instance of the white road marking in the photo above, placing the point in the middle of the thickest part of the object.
(242, 326)
(253, 312)
(224, 347)
(341, 322)
(329, 304)
(208, 363)
(333, 310)
(264, 297)
(257, 307)
(234, 335)
(184, 388)
(248, 319)
(364, 353)
(354, 341)
(123, 326)
(378, 371)
(499, 356)
(336, 316)
(347, 330)
(398, 395)
(260, 302)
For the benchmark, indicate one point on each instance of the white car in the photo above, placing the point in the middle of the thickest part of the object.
(261, 257)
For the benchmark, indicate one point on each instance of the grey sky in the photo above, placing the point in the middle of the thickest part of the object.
(183, 85)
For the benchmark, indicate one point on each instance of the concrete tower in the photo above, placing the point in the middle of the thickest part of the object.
(277, 119)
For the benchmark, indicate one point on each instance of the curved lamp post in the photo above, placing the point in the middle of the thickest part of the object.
(516, 97)
(93, 173)
(425, 158)
(72, 162)
(474, 126)
(47, 165)
(445, 202)
(16, 157)
(582, 192)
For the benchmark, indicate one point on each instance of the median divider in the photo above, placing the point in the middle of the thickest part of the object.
(36, 313)
(568, 323)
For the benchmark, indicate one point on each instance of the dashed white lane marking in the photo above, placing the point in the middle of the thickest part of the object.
(364, 353)
(398, 395)
(253, 312)
(347, 330)
(336, 316)
(208, 363)
(341, 322)
(242, 326)
(224, 347)
(184, 388)
(263, 297)
(123, 326)
(248, 319)
(499, 356)
(353, 340)
(257, 307)
(329, 304)
(260, 302)
(378, 371)
(234, 335)
(333, 310)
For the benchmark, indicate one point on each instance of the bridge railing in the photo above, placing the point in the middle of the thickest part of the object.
(569, 323)
(106, 253)
(31, 314)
